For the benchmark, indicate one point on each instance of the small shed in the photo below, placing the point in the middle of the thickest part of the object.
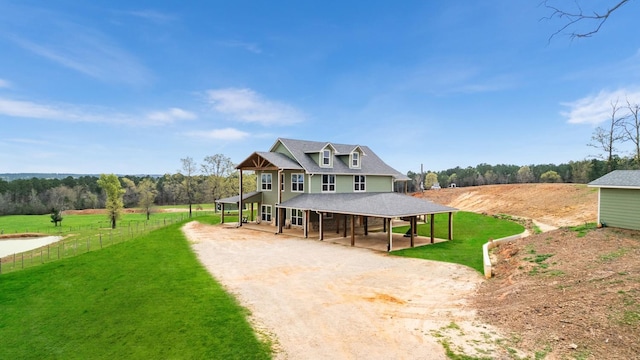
(619, 199)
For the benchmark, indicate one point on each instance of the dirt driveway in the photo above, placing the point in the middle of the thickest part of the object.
(316, 300)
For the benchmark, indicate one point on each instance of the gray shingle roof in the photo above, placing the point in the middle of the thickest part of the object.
(255, 196)
(370, 163)
(280, 160)
(618, 179)
(366, 204)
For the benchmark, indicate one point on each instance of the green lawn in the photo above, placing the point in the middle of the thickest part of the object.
(148, 298)
(470, 232)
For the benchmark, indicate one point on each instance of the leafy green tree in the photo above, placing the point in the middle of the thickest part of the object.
(56, 217)
(550, 177)
(430, 179)
(110, 184)
(525, 175)
(147, 195)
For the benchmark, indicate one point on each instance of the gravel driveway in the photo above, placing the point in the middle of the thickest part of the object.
(316, 300)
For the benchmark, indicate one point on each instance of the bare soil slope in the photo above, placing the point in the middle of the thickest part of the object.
(553, 204)
(561, 294)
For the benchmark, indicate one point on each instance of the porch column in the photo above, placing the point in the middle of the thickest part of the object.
(353, 230)
(222, 216)
(432, 232)
(384, 225)
(450, 225)
(240, 200)
(365, 220)
(390, 234)
(413, 230)
(252, 212)
(344, 233)
(306, 223)
(321, 225)
(280, 222)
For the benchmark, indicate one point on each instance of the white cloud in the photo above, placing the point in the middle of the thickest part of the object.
(251, 47)
(595, 109)
(4, 83)
(171, 115)
(220, 134)
(153, 16)
(248, 106)
(74, 113)
(28, 109)
(89, 52)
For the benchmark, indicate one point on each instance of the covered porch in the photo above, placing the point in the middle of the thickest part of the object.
(351, 210)
(375, 240)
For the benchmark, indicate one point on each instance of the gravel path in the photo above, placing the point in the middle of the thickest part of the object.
(325, 301)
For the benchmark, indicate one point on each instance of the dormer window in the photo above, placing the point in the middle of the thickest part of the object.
(355, 160)
(326, 158)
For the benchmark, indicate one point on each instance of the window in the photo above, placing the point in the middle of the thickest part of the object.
(296, 217)
(355, 159)
(297, 182)
(266, 181)
(281, 182)
(328, 183)
(326, 158)
(359, 183)
(266, 213)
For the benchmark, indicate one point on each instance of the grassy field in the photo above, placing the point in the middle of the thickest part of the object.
(148, 298)
(470, 232)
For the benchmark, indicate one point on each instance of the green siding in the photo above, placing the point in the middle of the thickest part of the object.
(379, 184)
(279, 148)
(269, 197)
(620, 208)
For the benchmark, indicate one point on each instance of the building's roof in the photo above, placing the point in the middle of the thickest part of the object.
(281, 161)
(366, 204)
(370, 163)
(626, 179)
(255, 196)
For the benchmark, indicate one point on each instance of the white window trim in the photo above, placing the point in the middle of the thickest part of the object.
(363, 184)
(264, 214)
(358, 159)
(330, 157)
(263, 184)
(322, 183)
(297, 176)
(282, 182)
(297, 214)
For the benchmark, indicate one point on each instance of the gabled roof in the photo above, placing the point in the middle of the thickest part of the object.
(625, 179)
(264, 160)
(366, 204)
(372, 165)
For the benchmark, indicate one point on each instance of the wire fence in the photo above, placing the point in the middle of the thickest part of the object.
(74, 241)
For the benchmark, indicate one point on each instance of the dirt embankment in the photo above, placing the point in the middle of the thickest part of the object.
(562, 294)
(554, 204)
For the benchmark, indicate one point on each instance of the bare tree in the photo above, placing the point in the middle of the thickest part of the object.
(632, 128)
(575, 18)
(217, 168)
(147, 195)
(189, 168)
(606, 139)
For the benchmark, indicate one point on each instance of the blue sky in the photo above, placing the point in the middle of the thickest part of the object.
(131, 87)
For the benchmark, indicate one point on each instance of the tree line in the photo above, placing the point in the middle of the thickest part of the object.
(215, 178)
(579, 172)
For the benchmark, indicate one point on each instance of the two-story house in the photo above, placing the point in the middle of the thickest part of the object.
(322, 186)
